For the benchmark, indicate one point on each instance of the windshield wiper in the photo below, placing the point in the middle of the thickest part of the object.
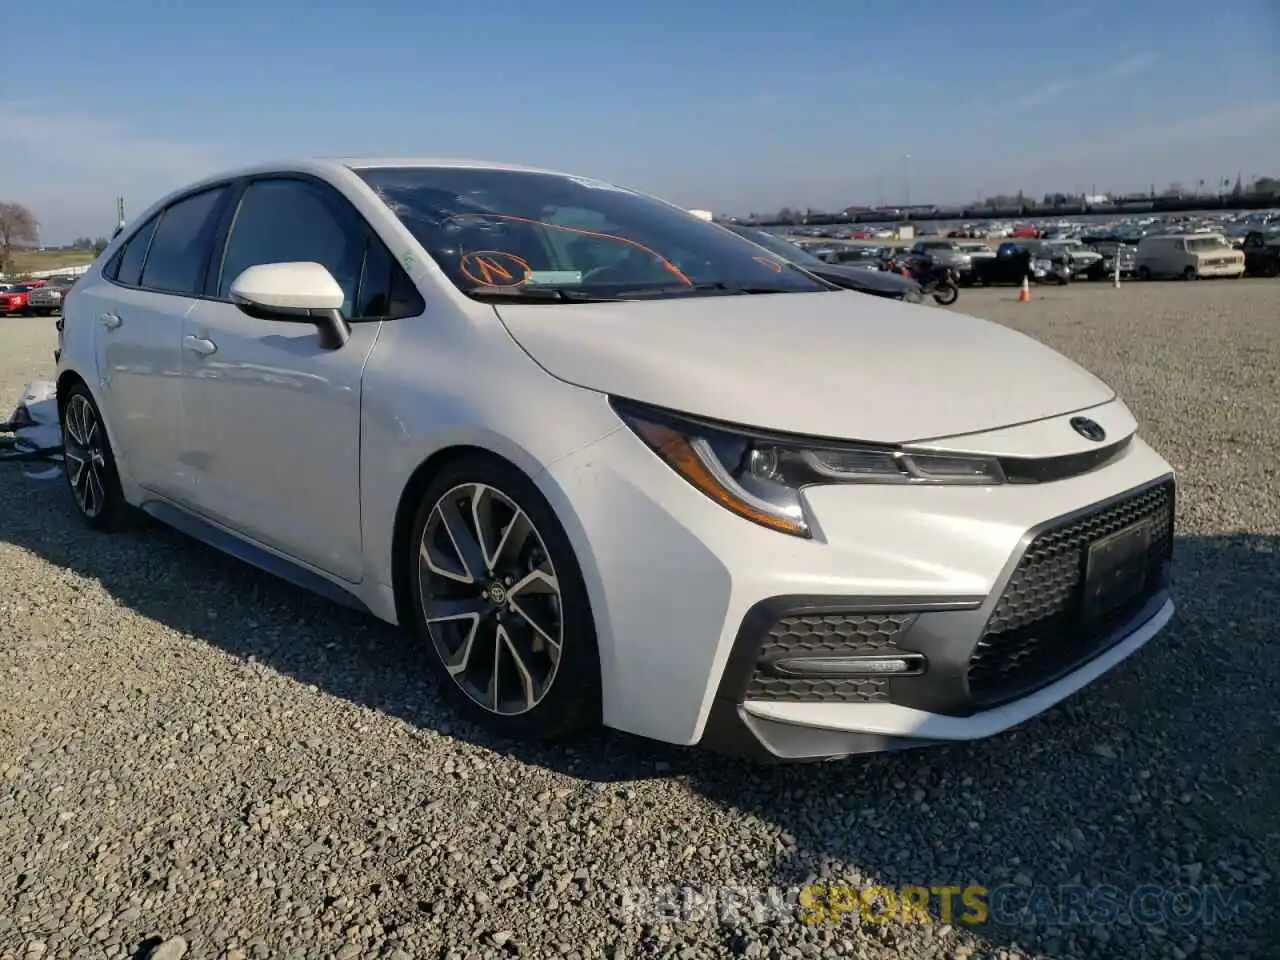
(717, 286)
(536, 294)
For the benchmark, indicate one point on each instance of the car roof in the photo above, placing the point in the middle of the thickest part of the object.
(340, 168)
(342, 165)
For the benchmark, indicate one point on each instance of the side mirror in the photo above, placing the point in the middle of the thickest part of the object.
(294, 293)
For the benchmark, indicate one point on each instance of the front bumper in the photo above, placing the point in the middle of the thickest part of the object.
(992, 662)
(1233, 269)
(684, 595)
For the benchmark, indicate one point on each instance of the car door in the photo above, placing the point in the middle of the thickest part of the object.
(271, 419)
(138, 332)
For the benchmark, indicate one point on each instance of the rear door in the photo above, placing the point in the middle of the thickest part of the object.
(138, 317)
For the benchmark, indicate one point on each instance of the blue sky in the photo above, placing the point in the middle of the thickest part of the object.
(738, 105)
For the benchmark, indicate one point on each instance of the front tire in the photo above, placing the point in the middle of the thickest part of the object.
(90, 466)
(499, 603)
(946, 294)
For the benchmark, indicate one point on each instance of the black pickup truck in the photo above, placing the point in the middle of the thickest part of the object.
(1017, 261)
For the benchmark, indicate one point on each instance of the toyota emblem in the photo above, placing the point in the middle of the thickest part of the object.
(1089, 429)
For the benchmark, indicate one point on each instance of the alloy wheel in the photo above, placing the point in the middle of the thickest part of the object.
(83, 451)
(490, 598)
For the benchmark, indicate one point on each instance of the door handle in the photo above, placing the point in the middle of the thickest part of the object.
(110, 320)
(199, 345)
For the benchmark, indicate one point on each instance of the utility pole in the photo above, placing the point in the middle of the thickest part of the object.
(906, 178)
(120, 211)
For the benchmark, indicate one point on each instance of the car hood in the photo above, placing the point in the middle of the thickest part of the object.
(832, 364)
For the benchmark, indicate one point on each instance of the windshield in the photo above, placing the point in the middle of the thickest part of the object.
(1205, 243)
(524, 233)
(783, 248)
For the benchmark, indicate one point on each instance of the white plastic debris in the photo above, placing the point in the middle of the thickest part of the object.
(37, 435)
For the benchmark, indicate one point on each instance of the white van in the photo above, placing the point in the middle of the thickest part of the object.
(1189, 256)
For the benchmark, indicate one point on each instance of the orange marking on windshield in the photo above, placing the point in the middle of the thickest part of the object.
(769, 262)
(590, 233)
(494, 268)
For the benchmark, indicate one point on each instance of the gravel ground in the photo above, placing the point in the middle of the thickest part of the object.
(199, 760)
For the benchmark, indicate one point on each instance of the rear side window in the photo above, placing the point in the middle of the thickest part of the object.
(180, 248)
(285, 221)
(127, 264)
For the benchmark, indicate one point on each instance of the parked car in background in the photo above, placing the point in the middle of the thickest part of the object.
(875, 282)
(1084, 262)
(590, 452)
(1188, 257)
(943, 252)
(1016, 261)
(852, 254)
(14, 299)
(1113, 246)
(1261, 249)
(47, 300)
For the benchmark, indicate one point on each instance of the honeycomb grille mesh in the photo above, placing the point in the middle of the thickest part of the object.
(1034, 635)
(825, 636)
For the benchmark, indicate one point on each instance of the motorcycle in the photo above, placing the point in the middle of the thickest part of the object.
(940, 282)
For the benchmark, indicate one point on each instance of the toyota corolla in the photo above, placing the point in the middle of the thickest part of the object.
(609, 463)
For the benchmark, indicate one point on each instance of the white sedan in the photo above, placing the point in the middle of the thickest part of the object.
(610, 463)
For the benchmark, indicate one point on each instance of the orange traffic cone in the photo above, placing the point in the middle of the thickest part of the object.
(1024, 295)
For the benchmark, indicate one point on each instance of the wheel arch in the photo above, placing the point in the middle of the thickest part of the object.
(66, 380)
(69, 378)
(411, 496)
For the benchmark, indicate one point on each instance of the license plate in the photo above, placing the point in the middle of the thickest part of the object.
(1116, 569)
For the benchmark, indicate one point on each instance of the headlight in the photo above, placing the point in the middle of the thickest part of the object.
(760, 476)
(1044, 266)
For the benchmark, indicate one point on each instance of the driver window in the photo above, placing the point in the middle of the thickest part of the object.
(284, 221)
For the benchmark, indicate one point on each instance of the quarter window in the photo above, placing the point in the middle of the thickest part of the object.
(180, 249)
(128, 265)
(288, 221)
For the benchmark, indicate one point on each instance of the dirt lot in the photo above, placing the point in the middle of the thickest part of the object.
(190, 749)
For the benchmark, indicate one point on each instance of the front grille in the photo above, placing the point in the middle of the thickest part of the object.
(1035, 634)
(841, 635)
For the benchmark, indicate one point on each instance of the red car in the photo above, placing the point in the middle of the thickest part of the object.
(14, 299)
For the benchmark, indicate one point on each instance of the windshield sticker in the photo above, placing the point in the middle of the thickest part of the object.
(555, 277)
(597, 184)
(408, 262)
(494, 268)
(769, 262)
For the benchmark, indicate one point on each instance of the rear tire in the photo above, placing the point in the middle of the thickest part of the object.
(499, 603)
(90, 466)
(946, 294)
(1144, 273)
